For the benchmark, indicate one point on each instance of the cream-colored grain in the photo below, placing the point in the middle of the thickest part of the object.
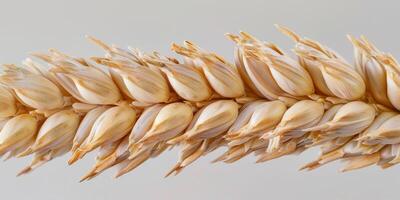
(132, 106)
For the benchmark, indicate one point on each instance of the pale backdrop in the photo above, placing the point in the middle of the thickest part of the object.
(27, 26)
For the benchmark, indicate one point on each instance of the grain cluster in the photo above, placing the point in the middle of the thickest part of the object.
(131, 106)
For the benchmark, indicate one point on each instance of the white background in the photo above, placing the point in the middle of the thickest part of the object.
(29, 26)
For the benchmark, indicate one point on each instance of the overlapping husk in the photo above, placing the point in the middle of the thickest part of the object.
(131, 106)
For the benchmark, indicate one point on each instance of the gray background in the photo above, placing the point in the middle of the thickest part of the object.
(27, 26)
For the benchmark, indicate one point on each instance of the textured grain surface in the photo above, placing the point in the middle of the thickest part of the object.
(131, 106)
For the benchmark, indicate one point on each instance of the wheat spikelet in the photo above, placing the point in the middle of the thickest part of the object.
(131, 106)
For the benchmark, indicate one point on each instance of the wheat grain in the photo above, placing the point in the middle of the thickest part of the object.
(132, 106)
(32, 90)
(112, 125)
(18, 133)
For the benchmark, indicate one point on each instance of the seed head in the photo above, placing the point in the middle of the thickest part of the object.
(301, 115)
(213, 120)
(222, 76)
(56, 131)
(110, 126)
(387, 133)
(188, 82)
(17, 133)
(32, 90)
(143, 83)
(86, 125)
(351, 119)
(86, 83)
(372, 70)
(170, 121)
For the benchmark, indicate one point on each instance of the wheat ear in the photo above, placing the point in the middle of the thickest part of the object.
(132, 106)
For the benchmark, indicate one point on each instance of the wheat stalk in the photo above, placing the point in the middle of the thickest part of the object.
(132, 106)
